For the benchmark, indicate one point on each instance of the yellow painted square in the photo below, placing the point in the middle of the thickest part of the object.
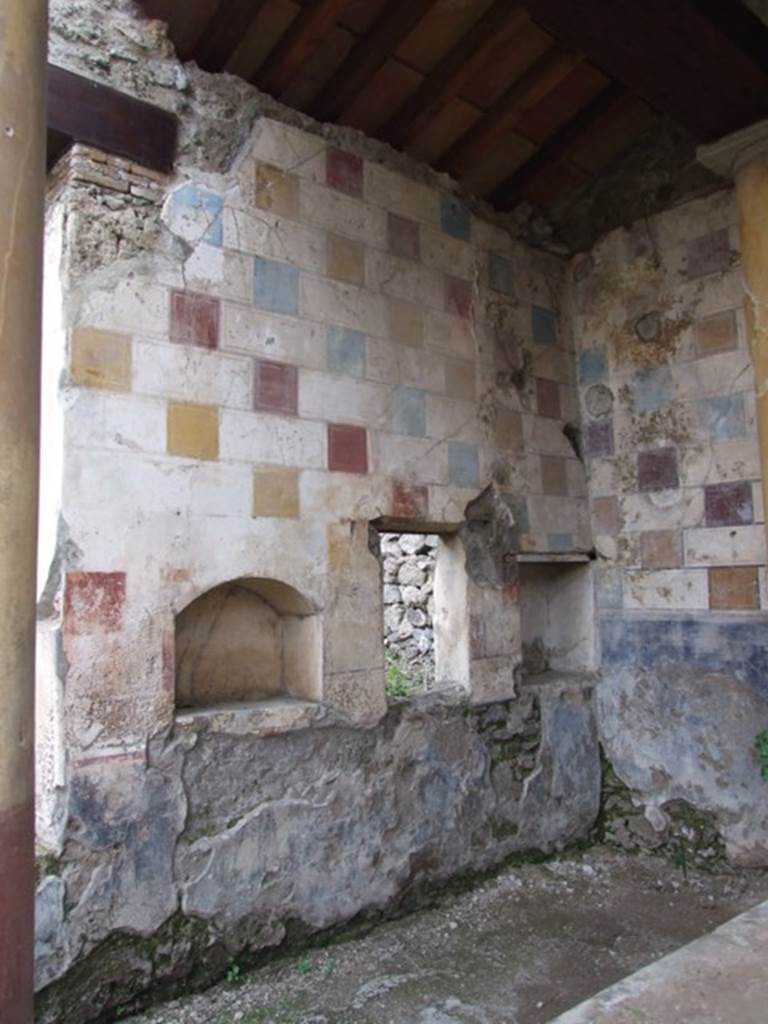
(277, 191)
(276, 493)
(100, 359)
(193, 430)
(406, 324)
(460, 380)
(508, 428)
(345, 260)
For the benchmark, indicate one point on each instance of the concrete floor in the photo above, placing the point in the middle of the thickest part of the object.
(518, 949)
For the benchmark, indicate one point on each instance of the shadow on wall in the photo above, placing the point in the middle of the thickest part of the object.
(248, 640)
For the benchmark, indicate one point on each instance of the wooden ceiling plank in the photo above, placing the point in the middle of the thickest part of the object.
(669, 53)
(557, 147)
(544, 75)
(444, 82)
(224, 32)
(86, 111)
(366, 57)
(301, 39)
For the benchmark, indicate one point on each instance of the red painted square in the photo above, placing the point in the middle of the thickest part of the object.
(728, 504)
(347, 448)
(93, 602)
(598, 438)
(276, 387)
(403, 237)
(458, 296)
(344, 172)
(409, 501)
(657, 470)
(194, 319)
(548, 398)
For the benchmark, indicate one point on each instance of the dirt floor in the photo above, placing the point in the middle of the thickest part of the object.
(518, 949)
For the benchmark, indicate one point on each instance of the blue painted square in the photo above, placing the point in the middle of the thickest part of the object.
(200, 200)
(560, 542)
(608, 588)
(346, 352)
(543, 325)
(409, 412)
(723, 417)
(276, 286)
(518, 506)
(653, 389)
(500, 274)
(454, 217)
(463, 464)
(593, 366)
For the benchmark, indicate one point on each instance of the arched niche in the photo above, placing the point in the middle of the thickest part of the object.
(247, 640)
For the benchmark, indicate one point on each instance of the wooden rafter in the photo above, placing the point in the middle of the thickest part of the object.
(557, 147)
(224, 32)
(671, 54)
(538, 81)
(80, 110)
(397, 20)
(446, 80)
(298, 43)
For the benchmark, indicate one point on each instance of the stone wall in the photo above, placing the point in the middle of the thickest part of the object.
(408, 566)
(673, 467)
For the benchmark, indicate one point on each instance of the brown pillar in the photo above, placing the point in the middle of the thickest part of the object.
(743, 157)
(23, 31)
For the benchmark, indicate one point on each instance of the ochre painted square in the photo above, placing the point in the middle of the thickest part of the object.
(344, 172)
(661, 549)
(277, 191)
(458, 296)
(345, 260)
(100, 359)
(193, 430)
(276, 492)
(716, 334)
(347, 448)
(605, 515)
(194, 319)
(406, 324)
(460, 380)
(554, 477)
(276, 387)
(409, 501)
(93, 602)
(508, 428)
(734, 588)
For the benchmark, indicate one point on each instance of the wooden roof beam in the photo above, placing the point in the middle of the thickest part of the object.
(671, 54)
(544, 75)
(394, 24)
(298, 43)
(80, 110)
(447, 79)
(557, 147)
(224, 32)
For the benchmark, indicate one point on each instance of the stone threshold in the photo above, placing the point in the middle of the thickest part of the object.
(721, 978)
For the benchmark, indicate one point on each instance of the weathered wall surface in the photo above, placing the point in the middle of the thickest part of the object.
(667, 394)
(226, 841)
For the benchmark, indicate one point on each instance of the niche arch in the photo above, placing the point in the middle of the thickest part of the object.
(245, 640)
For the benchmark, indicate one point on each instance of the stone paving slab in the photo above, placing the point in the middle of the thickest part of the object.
(720, 978)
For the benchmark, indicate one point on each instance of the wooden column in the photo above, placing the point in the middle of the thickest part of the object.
(743, 156)
(23, 31)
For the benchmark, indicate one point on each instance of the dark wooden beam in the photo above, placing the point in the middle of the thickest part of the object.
(446, 80)
(544, 75)
(742, 27)
(670, 53)
(85, 111)
(298, 43)
(224, 32)
(556, 148)
(396, 21)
